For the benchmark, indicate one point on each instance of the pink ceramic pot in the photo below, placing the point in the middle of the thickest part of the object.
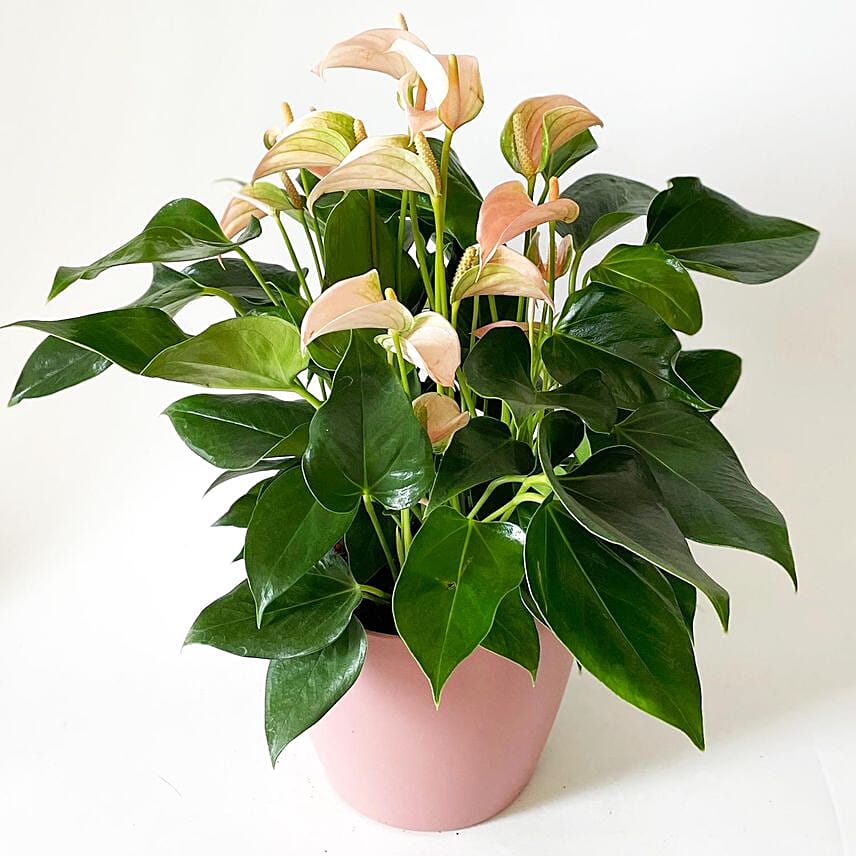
(396, 758)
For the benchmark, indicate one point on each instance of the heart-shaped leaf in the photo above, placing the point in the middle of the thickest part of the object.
(617, 615)
(569, 153)
(703, 484)
(514, 634)
(712, 374)
(447, 594)
(240, 512)
(251, 352)
(233, 276)
(711, 233)
(482, 451)
(609, 330)
(289, 532)
(300, 690)
(364, 441)
(498, 367)
(607, 202)
(615, 496)
(236, 431)
(308, 617)
(183, 230)
(656, 278)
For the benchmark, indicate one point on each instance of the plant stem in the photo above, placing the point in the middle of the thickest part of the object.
(439, 203)
(298, 269)
(376, 594)
(399, 258)
(490, 489)
(369, 506)
(466, 395)
(406, 534)
(311, 241)
(419, 242)
(305, 394)
(373, 226)
(402, 365)
(224, 295)
(494, 312)
(253, 268)
(475, 322)
(509, 506)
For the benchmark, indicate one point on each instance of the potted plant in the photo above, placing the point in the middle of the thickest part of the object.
(473, 461)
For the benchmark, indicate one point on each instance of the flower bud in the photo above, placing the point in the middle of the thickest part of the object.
(553, 193)
(270, 137)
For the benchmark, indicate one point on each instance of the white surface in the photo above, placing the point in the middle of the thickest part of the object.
(112, 742)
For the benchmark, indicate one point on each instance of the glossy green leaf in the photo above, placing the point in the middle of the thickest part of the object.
(365, 553)
(712, 374)
(365, 440)
(308, 617)
(56, 365)
(234, 276)
(705, 488)
(656, 278)
(251, 352)
(686, 596)
(617, 615)
(607, 329)
(607, 202)
(570, 153)
(264, 466)
(447, 594)
(559, 435)
(234, 432)
(183, 230)
(300, 690)
(514, 634)
(480, 451)
(711, 233)
(240, 512)
(130, 338)
(498, 367)
(614, 495)
(289, 532)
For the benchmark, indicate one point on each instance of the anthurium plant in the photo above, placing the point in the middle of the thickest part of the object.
(463, 419)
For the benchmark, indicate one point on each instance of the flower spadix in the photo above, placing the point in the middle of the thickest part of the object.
(379, 163)
(318, 141)
(538, 127)
(356, 303)
(452, 82)
(508, 212)
(508, 273)
(440, 416)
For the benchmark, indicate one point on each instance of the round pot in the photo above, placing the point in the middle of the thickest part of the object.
(395, 757)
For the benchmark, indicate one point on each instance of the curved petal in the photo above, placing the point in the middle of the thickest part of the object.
(306, 148)
(419, 119)
(440, 416)
(508, 212)
(508, 273)
(429, 68)
(521, 325)
(562, 261)
(353, 304)
(432, 344)
(370, 50)
(465, 98)
(380, 163)
(239, 211)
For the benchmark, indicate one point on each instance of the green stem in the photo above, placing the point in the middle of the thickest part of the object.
(421, 254)
(466, 395)
(373, 226)
(298, 269)
(399, 258)
(505, 511)
(311, 241)
(252, 267)
(224, 295)
(367, 503)
(402, 365)
(376, 594)
(475, 322)
(305, 394)
(439, 204)
(494, 312)
(491, 488)
(406, 534)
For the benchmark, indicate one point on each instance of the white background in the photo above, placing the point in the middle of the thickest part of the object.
(111, 739)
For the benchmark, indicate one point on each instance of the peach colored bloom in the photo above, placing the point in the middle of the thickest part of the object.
(508, 273)
(440, 416)
(522, 325)
(562, 260)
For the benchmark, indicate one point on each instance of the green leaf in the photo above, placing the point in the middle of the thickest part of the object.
(657, 279)
(481, 451)
(559, 435)
(309, 616)
(365, 440)
(711, 233)
(234, 276)
(170, 290)
(130, 338)
(56, 365)
(607, 202)
(447, 594)
(617, 615)
(251, 352)
(703, 484)
(240, 512)
(612, 331)
(686, 597)
(365, 553)
(263, 466)
(348, 243)
(234, 432)
(300, 690)
(514, 634)
(498, 367)
(614, 496)
(711, 374)
(183, 230)
(289, 532)
(570, 153)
